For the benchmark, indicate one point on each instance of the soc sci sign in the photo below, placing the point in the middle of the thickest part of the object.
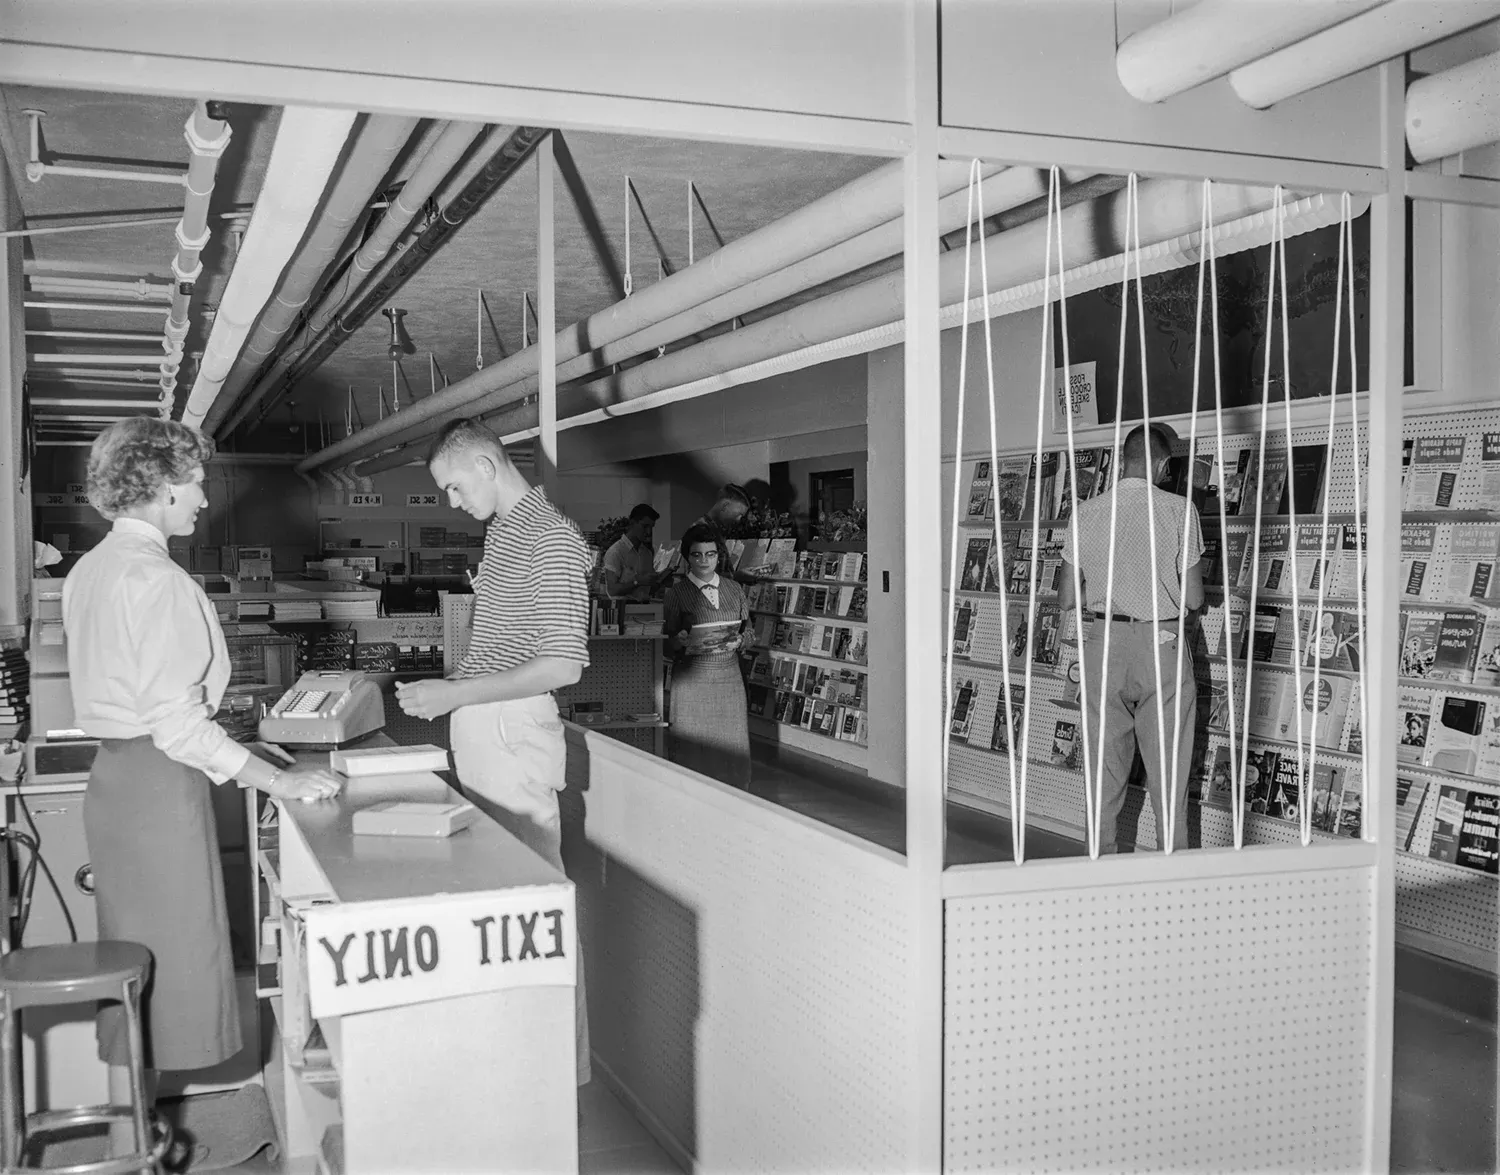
(386, 954)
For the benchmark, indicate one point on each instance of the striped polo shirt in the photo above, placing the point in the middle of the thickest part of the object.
(531, 598)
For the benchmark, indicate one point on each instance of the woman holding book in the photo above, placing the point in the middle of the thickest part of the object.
(705, 617)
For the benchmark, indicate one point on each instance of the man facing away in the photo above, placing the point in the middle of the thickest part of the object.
(1122, 697)
(530, 637)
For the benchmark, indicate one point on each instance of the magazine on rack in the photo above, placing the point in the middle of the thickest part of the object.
(1488, 492)
(1433, 478)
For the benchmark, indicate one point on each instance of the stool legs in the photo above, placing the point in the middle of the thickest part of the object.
(137, 1067)
(10, 1086)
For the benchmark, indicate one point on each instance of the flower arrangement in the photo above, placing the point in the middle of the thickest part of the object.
(844, 526)
(763, 521)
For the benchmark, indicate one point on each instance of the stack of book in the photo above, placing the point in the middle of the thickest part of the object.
(15, 690)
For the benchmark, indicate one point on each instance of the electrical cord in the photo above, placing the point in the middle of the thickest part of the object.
(37, 861)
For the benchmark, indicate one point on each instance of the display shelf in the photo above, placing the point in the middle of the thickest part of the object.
(820, 617)
(862, 666)
(818, 582)
(844, 751)
(771, 687)
(1210, 515)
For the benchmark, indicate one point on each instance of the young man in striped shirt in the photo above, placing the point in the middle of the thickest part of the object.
(530, 637)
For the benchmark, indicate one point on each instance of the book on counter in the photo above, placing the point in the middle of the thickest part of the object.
(1432, 480)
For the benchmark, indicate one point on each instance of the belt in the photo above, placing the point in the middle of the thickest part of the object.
(1123, 619)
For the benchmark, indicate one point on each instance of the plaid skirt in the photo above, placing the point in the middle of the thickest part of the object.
(710, 731)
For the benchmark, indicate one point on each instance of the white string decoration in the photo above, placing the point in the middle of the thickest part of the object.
(1091, 785)
(1131, 198)
(1359, 516)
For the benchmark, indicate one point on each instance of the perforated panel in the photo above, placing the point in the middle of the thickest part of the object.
(747, 972)
(1466, 493)
(620, 675)
(1206, 1025)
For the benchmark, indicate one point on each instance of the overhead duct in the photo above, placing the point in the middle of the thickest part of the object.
(1168, 209)
(1214, 37)
(377, 142)
(1384, 32)
(1455, 110)
(333, 324)
(1001, 190)
(862, 204)
(206, 139)
(308, 144)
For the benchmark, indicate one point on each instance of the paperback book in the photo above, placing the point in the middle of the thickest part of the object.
(1007, 733)
(1433, 477)
(1417, 543)
(1335, 644)
(1466, 828)
(1455, 734)
(965, 702)
(1474, 563)
(1419, 642)
(980, 486)
(1414, 714)
(1487, 664)
(1411, 790)
(965, 620)
(1457, 652)
(1010, 488)
(1488, 488)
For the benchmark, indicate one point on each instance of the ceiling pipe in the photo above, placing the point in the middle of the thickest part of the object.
(44, 303)
(1001, 191)
(141, 289)
(1214, 37)
(89, 359)
(308, 144)
(337, 318)
(206, 137)
(377, 143)
(858, 206)
(86, 381)
(1168, 208)
(1387, 31)
(1455, 110)
(73, 402)
(97, 336)
(115, 375)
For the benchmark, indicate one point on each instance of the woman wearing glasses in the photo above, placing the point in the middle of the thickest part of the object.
(705, 618)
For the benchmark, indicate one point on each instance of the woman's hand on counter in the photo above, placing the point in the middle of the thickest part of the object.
(307, 784)
(428, 699)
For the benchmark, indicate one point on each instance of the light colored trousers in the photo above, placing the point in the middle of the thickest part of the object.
(511, 758)
(1128, 718)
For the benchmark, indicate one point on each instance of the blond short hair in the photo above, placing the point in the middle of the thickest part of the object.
(132, 459)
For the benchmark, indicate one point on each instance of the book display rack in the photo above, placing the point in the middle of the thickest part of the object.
(808, 651)
(1448, 795)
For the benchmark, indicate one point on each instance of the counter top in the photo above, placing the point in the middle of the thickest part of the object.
(477, 859)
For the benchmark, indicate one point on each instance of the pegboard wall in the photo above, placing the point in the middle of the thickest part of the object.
(748, 982)
(1453, 907)
(1109, 1029)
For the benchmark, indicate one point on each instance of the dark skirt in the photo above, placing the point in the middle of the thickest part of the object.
(710, 731)
(154, 849)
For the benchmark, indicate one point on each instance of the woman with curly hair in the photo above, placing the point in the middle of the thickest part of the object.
(148, 667)
(705, 616)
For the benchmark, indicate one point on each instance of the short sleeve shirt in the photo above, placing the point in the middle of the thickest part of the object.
(1133, 567)
(531, 597)
(624, 555)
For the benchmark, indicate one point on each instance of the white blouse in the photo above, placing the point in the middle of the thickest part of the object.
(146, 655)
(709, 588)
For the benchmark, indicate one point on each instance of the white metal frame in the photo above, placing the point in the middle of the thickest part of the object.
(920, 141)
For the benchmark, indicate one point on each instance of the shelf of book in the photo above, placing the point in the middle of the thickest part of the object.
(808, 616)
(844, 751)
(814, 581)
(803, 656)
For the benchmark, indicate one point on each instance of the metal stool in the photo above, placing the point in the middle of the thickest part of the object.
(74, 974)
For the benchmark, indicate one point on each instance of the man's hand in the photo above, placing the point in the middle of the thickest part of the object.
(427, 699)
